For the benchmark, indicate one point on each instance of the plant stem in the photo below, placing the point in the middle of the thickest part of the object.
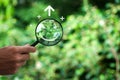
(115, 54)
(85, 4)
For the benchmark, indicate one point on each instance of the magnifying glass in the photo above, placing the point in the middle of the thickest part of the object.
(48, 32)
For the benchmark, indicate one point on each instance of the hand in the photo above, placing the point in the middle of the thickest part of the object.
(13, 57)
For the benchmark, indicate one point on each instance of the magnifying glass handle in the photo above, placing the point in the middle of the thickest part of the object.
(35, 43)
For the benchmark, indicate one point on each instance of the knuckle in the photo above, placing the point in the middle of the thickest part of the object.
(13, 49)
(17, 58)
(17, 65)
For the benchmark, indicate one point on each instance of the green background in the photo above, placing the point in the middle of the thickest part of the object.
(89, 50)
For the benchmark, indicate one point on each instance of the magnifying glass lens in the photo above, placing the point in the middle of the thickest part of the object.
(49, 32)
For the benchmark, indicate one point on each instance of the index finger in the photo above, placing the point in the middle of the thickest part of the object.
(25, 49)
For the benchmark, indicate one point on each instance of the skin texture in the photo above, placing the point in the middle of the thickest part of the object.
(13, 57)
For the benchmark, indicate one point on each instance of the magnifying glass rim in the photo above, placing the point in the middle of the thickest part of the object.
(48, 41)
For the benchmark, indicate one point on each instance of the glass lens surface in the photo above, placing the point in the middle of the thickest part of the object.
(49, 32)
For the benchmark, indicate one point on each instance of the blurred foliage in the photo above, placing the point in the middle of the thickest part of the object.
(89, 47)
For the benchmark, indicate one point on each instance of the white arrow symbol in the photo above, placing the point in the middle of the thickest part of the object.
(49, 9)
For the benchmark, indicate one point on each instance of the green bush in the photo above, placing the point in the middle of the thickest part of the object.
(89, 50)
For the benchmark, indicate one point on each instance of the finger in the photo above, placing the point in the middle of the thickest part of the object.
(20, 64)
(25, 57)
(25, 49)
(13, 69)
(12, 65)
(22, 57)
(8, 71)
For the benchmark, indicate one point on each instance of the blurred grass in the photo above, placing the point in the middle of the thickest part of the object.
(90, 49)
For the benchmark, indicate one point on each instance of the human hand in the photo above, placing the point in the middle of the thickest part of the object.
(13, 57)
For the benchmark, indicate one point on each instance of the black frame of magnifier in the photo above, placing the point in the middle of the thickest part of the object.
(38, 41)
